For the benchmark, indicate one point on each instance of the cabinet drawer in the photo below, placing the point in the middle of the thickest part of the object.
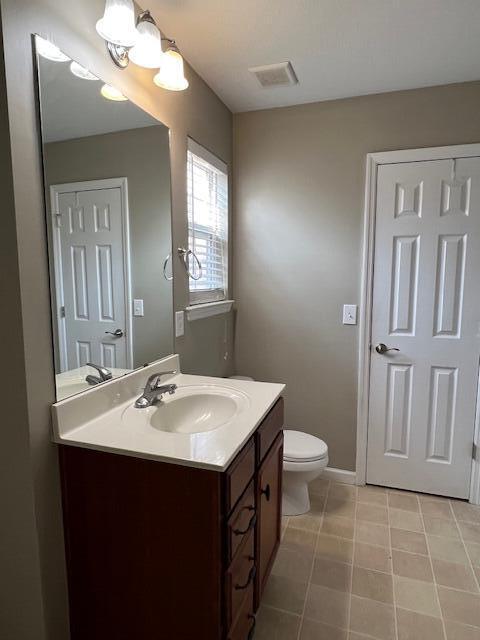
(244, 626)
(240, 577)
(242, 521)
(269, 429)
(239, 474)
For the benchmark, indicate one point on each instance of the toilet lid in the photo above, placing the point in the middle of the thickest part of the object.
(299, 446)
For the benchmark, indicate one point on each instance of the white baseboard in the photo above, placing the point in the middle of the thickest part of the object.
(340, 475)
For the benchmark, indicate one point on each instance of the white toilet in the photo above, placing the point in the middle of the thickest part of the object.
(304, 459)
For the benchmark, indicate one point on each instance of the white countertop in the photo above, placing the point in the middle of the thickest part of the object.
(94, 420)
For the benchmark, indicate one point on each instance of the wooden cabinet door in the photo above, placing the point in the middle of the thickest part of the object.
(269, 504)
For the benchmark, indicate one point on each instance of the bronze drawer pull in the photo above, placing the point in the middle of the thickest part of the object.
(251, 576)
(251, 524)
(252, 628)
(266, 492)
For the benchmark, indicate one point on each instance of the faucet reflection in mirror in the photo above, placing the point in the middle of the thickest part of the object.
(107, 189)
(141, 43)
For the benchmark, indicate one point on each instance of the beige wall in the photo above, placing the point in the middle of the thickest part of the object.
(299, 176)
(33, 605)
(143, 157)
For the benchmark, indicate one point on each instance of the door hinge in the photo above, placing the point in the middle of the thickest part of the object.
(474, 451)
(58, 220)
(62, 312)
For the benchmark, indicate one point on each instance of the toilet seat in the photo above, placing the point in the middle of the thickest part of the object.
(302, 447)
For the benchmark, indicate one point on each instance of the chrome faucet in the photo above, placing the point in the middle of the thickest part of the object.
(103, 374)
(154, 391)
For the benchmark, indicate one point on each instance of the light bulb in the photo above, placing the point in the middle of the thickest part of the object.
(147, 51)
(81, 72)
(118, 23)
(111, 93)
(171, 75)
(49, 51)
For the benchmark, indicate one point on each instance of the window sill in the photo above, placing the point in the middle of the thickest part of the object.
(208, 309)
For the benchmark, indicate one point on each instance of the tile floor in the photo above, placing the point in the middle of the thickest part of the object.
(371, 563)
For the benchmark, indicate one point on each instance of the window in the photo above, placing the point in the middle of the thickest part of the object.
(207, 224)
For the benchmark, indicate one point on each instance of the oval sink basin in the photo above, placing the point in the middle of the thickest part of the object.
(194, 414)
(190, 410)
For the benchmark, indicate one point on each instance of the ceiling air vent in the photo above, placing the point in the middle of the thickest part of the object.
(275, 75)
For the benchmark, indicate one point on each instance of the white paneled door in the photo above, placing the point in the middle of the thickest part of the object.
(91, 273)
(426, 309)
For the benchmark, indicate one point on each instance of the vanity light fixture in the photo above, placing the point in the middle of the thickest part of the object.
(111, 93)
(147, 52)
(117, 28)
(141, 44)
(171, 74)
(49, 51)
(81, 72)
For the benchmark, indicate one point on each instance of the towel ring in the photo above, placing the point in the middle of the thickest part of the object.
(184, 254)
(165, 262)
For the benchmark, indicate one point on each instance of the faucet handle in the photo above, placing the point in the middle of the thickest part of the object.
(154, 379)
(103, 372)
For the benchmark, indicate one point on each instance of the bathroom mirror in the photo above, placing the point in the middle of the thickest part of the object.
(108, 213)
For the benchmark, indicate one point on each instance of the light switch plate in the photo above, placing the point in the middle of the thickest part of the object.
(349, 314)
(138, 308)
(179, 323)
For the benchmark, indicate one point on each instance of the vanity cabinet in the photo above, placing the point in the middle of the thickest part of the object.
(161, 550)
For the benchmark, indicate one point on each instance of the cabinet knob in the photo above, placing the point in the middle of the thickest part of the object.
(266, 492)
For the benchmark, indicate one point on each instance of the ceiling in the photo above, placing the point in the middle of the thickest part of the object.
(338, 48)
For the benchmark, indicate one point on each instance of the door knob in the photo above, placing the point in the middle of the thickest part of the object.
(118, 333)
(382, 348)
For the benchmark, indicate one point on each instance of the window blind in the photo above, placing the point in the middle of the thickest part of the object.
(207, 224)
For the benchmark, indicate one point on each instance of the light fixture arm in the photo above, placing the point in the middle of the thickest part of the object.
(171, 42)
(145, 16)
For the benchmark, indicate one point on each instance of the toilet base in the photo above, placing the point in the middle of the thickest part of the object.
(295, 499)
(296, 478)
